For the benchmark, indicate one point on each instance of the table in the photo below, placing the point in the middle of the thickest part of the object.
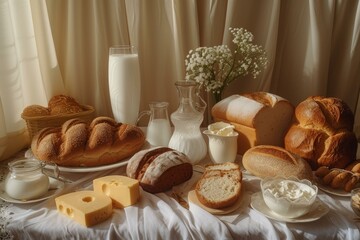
(160, 216)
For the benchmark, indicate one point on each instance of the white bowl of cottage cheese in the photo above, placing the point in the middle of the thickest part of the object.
(290, 198)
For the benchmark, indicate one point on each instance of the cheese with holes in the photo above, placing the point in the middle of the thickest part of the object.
(123, 191)
(85, 207)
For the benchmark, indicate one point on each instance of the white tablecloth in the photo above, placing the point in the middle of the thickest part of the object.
(159, 216)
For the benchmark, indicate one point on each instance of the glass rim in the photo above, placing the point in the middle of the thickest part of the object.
(123, 46)
(159, 104)
(123, 49)
(186, 83)
(25, 165)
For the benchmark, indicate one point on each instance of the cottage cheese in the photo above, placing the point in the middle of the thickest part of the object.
(291, 190)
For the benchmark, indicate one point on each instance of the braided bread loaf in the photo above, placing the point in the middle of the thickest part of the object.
(76, 143)
(336, 178)
(322, 133)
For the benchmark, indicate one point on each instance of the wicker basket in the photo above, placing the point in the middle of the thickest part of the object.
(35, 124)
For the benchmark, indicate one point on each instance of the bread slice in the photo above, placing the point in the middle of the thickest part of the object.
(224, 166)
(220, 185)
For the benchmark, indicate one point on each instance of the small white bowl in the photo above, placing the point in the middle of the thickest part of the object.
(290, 198)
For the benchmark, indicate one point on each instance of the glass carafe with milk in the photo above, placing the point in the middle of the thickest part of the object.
(187, 137)
(158, 131)
(124, 83)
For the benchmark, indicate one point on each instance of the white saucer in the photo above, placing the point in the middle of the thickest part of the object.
(318, 210)
(55, 188)
(336, 192)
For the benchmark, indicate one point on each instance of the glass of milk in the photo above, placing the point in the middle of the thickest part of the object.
(124, 83)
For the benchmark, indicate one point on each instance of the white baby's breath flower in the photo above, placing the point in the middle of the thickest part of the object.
(216, 67)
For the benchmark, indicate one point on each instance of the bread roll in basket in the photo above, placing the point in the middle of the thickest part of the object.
(77, 143)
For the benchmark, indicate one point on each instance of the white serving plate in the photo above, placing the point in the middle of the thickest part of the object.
(318, 210)
(336, 192)
(91, 169)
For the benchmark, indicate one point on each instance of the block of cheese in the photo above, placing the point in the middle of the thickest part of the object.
(85, 207)
(260, 118)
(123, 191)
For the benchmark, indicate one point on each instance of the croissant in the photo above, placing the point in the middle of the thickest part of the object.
(76, 143)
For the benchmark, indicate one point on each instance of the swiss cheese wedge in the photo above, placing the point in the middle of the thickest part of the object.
(123, 191)
(85, 207)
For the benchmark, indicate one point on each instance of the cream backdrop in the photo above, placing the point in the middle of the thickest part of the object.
(49, 47)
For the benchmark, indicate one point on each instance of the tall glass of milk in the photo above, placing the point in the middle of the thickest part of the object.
(124, 83)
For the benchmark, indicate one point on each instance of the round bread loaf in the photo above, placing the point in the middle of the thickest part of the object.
(271, 161)
(159, 169)
(35, 111)
(322, 133)
(61, 104)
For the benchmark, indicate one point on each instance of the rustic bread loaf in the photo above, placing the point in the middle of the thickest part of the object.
(76, 143)
(272, 161)
(322, 132)
(159, 169)
(219, 186)
(259, 118)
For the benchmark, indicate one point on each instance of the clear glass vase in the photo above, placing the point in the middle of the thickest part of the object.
(187, 137)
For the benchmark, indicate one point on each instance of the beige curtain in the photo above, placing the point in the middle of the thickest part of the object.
(49, 47)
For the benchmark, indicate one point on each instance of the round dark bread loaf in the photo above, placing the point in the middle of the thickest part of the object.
(159, 169)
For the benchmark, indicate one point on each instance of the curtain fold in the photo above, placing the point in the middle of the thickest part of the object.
(48, 47)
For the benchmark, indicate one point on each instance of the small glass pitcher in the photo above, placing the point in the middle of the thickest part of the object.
(158, 131)
(27, 179)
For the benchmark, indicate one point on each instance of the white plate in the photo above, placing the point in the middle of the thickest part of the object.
(55, 188)
(318, 210)
(96, 168)
(337, 192)
(330, 190)
(92, 169)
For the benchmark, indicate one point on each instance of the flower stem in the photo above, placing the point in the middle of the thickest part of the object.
(218, 95)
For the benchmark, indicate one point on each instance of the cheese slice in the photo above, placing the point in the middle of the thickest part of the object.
(85, 207)
(123, 191)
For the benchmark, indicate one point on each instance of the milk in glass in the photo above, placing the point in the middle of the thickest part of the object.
(124, 84)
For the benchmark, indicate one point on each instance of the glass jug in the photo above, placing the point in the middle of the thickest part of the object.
(158, 131)
(187, 137)
(27, 179)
